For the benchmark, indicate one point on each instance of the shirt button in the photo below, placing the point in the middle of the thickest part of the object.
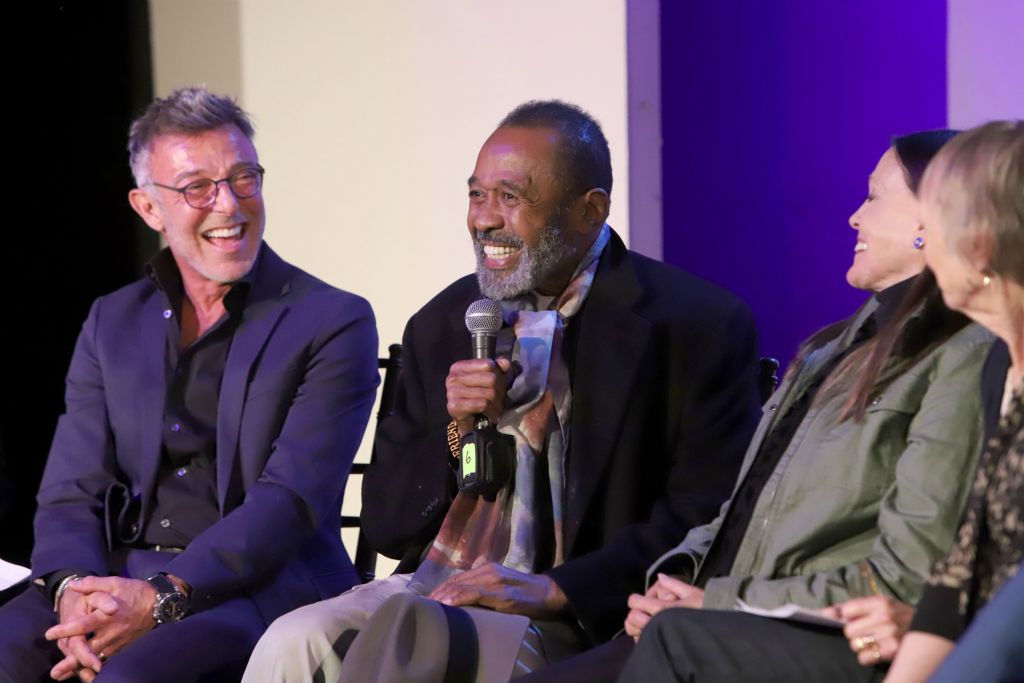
(182, 471)
(168, 313)
(165, 522)
(773, 407)
(175, 427)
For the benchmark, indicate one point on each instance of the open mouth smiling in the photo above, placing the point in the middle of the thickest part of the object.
(225, 236)
(498, 250)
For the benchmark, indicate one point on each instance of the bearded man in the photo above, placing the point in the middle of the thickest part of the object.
(627, 386)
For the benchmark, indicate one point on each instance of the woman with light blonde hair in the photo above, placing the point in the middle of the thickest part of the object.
(973, 216)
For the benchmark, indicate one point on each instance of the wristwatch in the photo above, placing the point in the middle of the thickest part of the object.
(171, 604)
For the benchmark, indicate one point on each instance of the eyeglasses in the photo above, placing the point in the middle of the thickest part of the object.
(200, 194)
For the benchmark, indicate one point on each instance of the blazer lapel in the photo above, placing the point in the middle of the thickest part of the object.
(151, 387)
(262, 312)
(605, 369)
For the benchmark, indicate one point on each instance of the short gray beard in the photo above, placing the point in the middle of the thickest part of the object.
(533, 267)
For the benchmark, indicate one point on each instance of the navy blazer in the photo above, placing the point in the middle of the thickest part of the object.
(664, 381)
(298, 386)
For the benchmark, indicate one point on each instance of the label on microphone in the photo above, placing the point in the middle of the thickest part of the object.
(468, 459)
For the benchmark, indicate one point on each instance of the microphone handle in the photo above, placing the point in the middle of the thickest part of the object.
(483, 347)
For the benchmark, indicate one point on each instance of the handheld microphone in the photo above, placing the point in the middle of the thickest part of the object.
(483, 320)
(487, 456)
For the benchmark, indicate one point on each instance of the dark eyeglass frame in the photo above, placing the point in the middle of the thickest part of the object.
(205, 182)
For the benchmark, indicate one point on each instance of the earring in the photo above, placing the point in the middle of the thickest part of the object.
(986, 281)
(919, 240)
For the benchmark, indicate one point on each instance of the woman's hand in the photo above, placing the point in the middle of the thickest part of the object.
(874, 626)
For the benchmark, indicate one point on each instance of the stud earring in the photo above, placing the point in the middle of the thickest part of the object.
(919, 240)
(986, 281)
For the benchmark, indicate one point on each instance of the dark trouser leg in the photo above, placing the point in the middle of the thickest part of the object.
(599, 665)
(699, 646)
(25, 655)
(212, 646)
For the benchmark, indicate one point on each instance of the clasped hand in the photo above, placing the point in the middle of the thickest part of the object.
(665, 593)
(98, 617)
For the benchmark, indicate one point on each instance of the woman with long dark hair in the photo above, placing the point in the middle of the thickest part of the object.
(865, 484)
(850, 486)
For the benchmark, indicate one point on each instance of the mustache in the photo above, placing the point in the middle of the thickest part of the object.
(496, 237)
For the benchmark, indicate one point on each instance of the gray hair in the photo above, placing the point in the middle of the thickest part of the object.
(977, 182)
(186, 110)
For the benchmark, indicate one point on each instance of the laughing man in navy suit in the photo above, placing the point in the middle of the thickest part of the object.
(213, 408)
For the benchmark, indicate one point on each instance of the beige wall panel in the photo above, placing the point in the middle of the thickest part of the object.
(196, 41)
(370, 116)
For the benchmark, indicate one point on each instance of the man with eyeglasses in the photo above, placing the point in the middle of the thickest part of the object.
(193, 489)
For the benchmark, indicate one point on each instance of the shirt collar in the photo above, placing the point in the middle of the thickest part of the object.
(889, 300)
(163, 271)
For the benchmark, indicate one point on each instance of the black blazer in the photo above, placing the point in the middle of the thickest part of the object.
(663, 369)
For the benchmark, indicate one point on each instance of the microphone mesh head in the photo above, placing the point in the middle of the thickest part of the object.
(484, 316)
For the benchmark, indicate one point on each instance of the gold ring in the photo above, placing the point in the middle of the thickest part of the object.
(861, 642)
(877, 652)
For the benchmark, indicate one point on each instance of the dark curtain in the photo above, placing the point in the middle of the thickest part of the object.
(78, 73)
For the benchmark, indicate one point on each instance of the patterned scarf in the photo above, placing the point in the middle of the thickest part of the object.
(522, 528)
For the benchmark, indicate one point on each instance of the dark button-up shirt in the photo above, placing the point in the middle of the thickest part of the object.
(185, 500)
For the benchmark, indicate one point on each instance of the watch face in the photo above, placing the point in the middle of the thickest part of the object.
(171, 607)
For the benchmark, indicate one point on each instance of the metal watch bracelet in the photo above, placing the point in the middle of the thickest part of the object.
(58, 595)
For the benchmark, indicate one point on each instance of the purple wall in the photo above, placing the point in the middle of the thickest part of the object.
(773, 115)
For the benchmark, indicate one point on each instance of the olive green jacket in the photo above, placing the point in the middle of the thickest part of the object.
(855, 508)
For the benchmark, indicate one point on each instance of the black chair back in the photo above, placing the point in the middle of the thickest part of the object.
(767, 378)
(365, 558)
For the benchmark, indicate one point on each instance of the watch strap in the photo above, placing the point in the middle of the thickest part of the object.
(162, 584)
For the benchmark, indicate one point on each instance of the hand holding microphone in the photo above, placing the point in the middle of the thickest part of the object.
(476, 400)
(476, 388)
